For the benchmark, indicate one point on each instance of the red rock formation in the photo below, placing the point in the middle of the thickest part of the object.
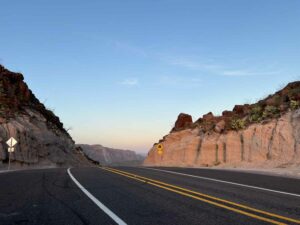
(265, 134)
(183, 121)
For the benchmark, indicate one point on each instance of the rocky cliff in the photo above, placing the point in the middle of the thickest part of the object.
(110, 156)
(265, 134)
(42, 139)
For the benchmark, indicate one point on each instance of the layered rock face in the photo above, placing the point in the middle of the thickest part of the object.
(110, 156)
(265, 134)
(42, 139)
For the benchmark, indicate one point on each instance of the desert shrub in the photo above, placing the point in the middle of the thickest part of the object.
(256, 114)
(277, 100)
(256, 110)
(294, 92)
(294, 104)
(270, 112)
(255, 118)
(238, 124)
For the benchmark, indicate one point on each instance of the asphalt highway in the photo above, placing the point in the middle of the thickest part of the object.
(133, 195)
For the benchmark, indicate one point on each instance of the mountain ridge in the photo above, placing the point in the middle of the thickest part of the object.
(110, 156)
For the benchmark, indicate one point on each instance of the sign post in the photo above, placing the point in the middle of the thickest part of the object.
(11, 143)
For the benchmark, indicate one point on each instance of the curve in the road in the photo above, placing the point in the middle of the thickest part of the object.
(232, 206)
(226, 182)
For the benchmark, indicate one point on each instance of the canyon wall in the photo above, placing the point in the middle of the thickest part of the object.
(42, 139)
(235, 139)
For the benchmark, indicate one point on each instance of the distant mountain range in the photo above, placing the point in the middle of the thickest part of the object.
(110, 156)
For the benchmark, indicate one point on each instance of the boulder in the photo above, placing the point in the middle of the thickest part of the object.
(227, 113)
(183, 121)
(209, 116)
(238, 109)
(220, 126)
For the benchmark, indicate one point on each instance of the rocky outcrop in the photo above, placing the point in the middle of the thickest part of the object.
(110, 156)
(42, 139)
(265, 134)
(183, 121)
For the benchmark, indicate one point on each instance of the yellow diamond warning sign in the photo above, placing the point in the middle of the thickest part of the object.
(160, 149)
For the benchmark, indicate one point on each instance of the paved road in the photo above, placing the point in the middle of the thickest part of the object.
(130, 195)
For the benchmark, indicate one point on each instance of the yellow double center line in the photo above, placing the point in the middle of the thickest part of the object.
(222, 203)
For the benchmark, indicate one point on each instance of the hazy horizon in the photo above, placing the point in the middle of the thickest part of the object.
(119, 73)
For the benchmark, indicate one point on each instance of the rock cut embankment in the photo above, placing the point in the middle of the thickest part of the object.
(43, 141)
(264, 134)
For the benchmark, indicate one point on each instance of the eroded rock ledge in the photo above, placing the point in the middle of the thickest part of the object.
(265, 134)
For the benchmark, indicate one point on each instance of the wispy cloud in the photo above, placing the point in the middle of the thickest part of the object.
(217, 69)
(237, 73)
(191, 63)
(130, 82)
(180, 81)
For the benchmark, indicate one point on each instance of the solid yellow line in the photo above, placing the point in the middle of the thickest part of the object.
(201, 199)
(217, 199)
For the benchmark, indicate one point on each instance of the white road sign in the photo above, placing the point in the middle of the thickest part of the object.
(11, 149)
(11, 142)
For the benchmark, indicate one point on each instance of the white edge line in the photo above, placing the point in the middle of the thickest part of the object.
(97, 202)
(226, 182)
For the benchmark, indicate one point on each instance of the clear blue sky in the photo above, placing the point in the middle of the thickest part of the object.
(119, 72)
